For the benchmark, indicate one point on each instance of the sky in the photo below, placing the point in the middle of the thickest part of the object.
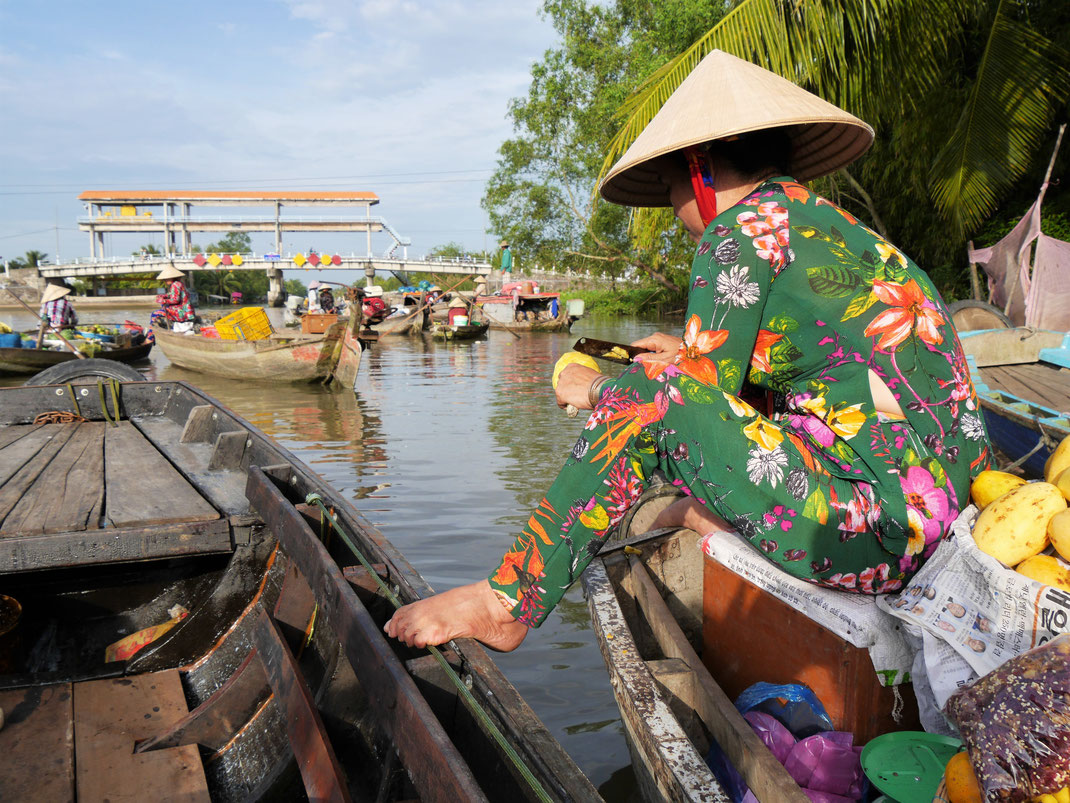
(405, 99)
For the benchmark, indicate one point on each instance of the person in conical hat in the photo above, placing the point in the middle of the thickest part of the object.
(175, 303)
(57, 307)
(507, 257)
(850, 449)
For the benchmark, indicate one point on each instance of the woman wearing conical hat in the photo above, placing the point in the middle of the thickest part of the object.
(852, 475)
(175, 303)
(57, 307)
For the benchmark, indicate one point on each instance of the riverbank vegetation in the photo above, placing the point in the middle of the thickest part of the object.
(965, 97)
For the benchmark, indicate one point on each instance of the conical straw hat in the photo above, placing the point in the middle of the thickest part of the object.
(170, 272)
(725, 96)
(54, 291)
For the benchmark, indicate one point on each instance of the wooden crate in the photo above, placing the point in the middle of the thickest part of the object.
(748, 635)
(316, 323)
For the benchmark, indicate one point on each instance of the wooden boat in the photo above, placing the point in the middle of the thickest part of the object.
(273, 680)
(30, 361)
(403, 325)
(533, 312)
(282, 357)
(441, 330)
(1022, 376)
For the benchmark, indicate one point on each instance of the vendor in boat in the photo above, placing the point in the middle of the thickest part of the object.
(57, 308)
(326, 300)
(854, 476)
(175, 303)
(313, 296)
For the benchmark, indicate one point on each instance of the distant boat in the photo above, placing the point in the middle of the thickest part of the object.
(530, 312)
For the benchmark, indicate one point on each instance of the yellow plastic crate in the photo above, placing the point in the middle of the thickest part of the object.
(248, 323)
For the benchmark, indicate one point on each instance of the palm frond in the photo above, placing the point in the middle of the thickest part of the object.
(1022, 81)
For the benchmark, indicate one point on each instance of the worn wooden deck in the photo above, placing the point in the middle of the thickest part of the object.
(87, 492)
(1039, 382)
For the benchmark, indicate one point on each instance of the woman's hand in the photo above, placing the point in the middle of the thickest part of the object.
(471, 611)
(662, 348)
(574, 385)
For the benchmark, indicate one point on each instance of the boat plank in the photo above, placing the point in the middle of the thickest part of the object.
(23, 553)
(433, 762)
(32, 454)
(37, 742)
(766, 777)
(215, 721)
(15, 454)
(143, 487)
(1048, 386)
(12, 433)
(65, 495)
(320, 770)
(110, 717)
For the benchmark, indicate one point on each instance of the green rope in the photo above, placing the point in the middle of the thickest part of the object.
(116, 389)
(74, 400)
(104, 405)
(466, 694)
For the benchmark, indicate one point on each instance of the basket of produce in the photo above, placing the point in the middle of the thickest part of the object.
(104, 334)
(248, 323)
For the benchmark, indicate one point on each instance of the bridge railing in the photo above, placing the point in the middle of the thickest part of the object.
(237, 220)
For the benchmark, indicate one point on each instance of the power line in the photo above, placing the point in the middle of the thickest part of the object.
(334, 179)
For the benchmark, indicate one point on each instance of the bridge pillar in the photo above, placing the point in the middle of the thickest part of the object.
(276, 290)
(369, 274)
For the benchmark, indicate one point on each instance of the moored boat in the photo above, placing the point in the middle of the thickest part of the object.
(1022, 377)
(281, 357)
(15, 361)
(196, 623)
(442, 330)
(530, 312)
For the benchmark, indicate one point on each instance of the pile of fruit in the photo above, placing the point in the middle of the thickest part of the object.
(97, 329)
(1019, 520)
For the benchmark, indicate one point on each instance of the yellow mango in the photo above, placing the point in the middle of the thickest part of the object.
(1059, 533)
(1046, 569)
(1015, 526)
(1062, 482)
(991, 485)
(571, 358)
(1059, 460)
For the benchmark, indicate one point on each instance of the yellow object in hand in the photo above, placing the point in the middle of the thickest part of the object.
(571, 358)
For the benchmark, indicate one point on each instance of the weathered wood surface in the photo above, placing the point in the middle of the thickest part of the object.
(766, 777)
(228, 451)
(433, 763)
(37, 744)
(68, 494)
(143, 487)
(113, 545)
(10, 434)
(215, 721)
(110, 717)
(320, 770)
(32, 454)
(198, 424)
(1048, 385)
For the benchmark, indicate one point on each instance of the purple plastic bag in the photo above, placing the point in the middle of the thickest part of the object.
(827, 762)
(775, 736)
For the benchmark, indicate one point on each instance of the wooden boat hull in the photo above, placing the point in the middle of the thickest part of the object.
(644, 594)
(562, 323)
(472, 331)
(278, 683)
(30, 361)
(285, 358)
(402, 325)
(1023, 384)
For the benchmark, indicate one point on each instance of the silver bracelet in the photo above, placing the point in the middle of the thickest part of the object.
(594, 393)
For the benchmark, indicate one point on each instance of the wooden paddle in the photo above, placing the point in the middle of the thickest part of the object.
(44, 322)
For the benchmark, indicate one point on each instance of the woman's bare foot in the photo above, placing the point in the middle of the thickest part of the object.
(690, 514)
(470, 611)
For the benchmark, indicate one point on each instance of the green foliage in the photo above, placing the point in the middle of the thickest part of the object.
(236, 242)
(634, 300)
(294, 287)
(541, 196)
(32, 259)
(148, 250)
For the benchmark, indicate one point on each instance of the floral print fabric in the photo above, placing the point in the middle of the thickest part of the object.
(793, 295)
(175, 304)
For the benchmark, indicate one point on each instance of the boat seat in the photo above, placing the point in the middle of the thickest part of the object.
(38, 739)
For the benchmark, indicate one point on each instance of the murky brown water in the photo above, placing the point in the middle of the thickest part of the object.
(447, 448)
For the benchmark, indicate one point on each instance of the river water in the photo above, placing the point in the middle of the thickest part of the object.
(447, 448)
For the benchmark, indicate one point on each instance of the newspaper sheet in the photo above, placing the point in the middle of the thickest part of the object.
(975, 613)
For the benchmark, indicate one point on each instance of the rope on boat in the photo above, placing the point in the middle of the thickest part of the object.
(466, 694)
(113, 387)
(74, 400)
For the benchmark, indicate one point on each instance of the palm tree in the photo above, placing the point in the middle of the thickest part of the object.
(978, 76)
(34, 258)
